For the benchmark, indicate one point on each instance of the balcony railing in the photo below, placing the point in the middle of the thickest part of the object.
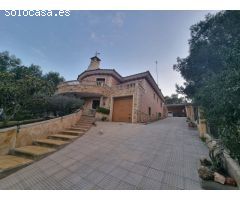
(96, 87)
(85, 83)
(83, 87)
(74, 82)
(125, 86)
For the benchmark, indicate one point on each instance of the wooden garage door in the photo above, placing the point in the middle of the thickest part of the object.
(122, 109)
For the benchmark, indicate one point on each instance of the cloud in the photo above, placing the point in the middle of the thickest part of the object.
(118, 19)
(93, 35)
(39, 53)
(96, 37)
(102, 39)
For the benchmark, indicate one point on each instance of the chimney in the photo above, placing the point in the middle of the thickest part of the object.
(95, 63)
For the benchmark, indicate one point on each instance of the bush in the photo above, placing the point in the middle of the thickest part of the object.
(103, 110)
(222, 108)
(104, 118)
(212, 74)
(24, 89)
(62, 105)
(203, 139)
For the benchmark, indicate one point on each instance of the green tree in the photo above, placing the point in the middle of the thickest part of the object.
(212, 74)
(174, 99)
(211, 47)
(23, 90)
(54, 78)
(220, 99)
(8, 61)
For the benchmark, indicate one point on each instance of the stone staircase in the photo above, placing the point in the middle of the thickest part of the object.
(23, 156)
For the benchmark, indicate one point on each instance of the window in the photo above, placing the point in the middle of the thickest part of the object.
(149, 111)
(95, 104)
(100, 81)
(130, 85)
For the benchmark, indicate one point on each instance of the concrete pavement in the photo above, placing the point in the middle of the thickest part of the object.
(160, 155)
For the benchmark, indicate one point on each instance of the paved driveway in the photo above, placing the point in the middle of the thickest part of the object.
(161, 155)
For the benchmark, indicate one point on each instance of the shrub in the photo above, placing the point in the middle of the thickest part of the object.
(203, 139)
(212, 74)
(103, 110)
(222, 108)
(62, 105)
(23, 89)
(104, 118)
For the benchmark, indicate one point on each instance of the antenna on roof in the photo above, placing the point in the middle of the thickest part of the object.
(157, 70)
(97, 53)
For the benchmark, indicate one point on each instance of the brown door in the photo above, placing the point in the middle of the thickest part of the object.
(122, 109)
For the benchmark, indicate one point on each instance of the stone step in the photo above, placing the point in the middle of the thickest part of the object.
(78, 129)
(10, 164)
(63, 137)
(50, 143)
(84, 124)
(33, 152)
(87, 119)
(72, 132)
(82, 127)
(88, 115)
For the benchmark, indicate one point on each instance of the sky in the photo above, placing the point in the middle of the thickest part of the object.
(128, 41)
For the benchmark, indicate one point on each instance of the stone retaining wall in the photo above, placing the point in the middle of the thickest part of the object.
(24, 135)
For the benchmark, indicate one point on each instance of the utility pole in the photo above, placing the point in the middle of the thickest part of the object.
(156, 62)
